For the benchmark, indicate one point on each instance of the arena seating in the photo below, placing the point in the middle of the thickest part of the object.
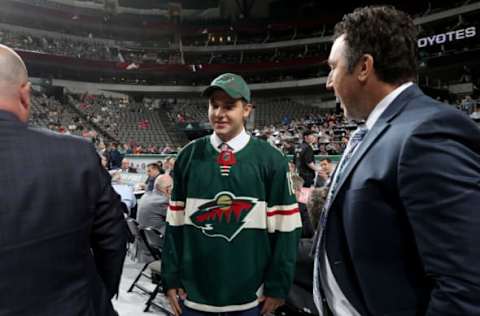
(129, 121)
(51, 113)
(273, 111)
(149, 123)
(189, 110)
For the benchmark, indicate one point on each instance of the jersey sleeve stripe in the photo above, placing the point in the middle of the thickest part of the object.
(284, 223)
(282, 207)
(175, 208)
(283, 212)
(175, 218)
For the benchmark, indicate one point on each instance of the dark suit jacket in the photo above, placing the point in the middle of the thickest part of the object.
(115, 159)
(305, 157)
(403, 229)
(62, 236)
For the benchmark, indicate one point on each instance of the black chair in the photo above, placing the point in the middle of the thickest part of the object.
(133, 236)
(154, 240)
(134, 229)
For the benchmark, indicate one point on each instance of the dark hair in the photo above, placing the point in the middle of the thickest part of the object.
(387, 34)
(307, 133)
(154, 165)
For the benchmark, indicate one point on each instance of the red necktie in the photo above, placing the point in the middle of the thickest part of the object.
(226, 159)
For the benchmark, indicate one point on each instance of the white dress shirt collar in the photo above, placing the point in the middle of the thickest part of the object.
(383, 105)
(237, 143)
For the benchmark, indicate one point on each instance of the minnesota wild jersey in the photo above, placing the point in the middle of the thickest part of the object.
(233, 232)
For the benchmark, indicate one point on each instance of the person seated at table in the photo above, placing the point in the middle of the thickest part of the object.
(152, 207)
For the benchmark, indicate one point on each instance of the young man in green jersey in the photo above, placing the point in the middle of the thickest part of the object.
(233, 221)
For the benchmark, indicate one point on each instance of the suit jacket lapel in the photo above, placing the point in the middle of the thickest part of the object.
(370, 138)
(377, 130)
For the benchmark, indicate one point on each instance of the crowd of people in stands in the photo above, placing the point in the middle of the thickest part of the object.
(113, 113)
(50, 113)
(150, 57)
(332, 130)
(187, 110)
(92, 49)
(264, 34)
(58, 46)
(84, 49)
(131, 59)
(332, 134)
(204, 30)
(101, 110)
(254, 57)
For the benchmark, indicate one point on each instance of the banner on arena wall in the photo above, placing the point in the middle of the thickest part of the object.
(447, 37)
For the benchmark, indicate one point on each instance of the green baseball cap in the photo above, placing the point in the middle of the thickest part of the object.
(234, 85)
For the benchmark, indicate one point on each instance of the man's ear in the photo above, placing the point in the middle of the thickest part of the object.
(247, 109)
(24, 92)
(365, 67)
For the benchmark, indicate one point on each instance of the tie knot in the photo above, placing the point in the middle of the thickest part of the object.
(224, 147)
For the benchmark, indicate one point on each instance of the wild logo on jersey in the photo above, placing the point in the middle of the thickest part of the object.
(223, 217)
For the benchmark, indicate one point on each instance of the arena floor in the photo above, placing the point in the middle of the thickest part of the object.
(132, 304)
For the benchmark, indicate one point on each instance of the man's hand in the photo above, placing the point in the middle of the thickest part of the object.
(270, 304)
(173, 295)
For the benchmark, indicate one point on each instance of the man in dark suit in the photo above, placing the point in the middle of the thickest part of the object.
(115, 158)
(306, 159)
(399, 232)
(63, 235)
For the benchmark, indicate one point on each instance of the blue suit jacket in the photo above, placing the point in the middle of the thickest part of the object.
(403, 234)
(63, 235)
